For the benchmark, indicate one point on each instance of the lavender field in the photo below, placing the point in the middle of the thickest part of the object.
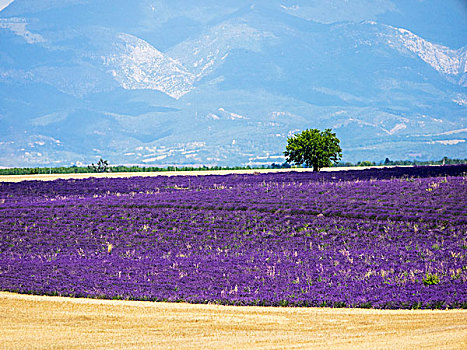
(385, 238)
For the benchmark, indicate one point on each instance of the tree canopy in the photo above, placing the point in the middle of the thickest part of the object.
(101, 167)
(314, 148)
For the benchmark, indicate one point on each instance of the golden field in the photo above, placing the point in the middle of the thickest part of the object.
(42, 322)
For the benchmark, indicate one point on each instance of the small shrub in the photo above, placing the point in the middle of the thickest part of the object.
(430, 279)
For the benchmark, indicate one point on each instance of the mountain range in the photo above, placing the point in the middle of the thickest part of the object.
(226, 83)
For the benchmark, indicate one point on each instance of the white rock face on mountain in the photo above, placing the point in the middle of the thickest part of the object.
(441, 58)
(5, 3)
(135, 64)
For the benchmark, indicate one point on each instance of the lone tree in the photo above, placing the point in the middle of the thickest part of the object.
(313, 148)
(101, 167)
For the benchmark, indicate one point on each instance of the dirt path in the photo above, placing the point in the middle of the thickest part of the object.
(66, 323)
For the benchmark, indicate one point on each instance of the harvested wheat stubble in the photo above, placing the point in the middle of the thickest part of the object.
(66, 323)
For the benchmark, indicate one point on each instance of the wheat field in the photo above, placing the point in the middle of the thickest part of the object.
(43, 322)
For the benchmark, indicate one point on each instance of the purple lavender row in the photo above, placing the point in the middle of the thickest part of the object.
(36, 190)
